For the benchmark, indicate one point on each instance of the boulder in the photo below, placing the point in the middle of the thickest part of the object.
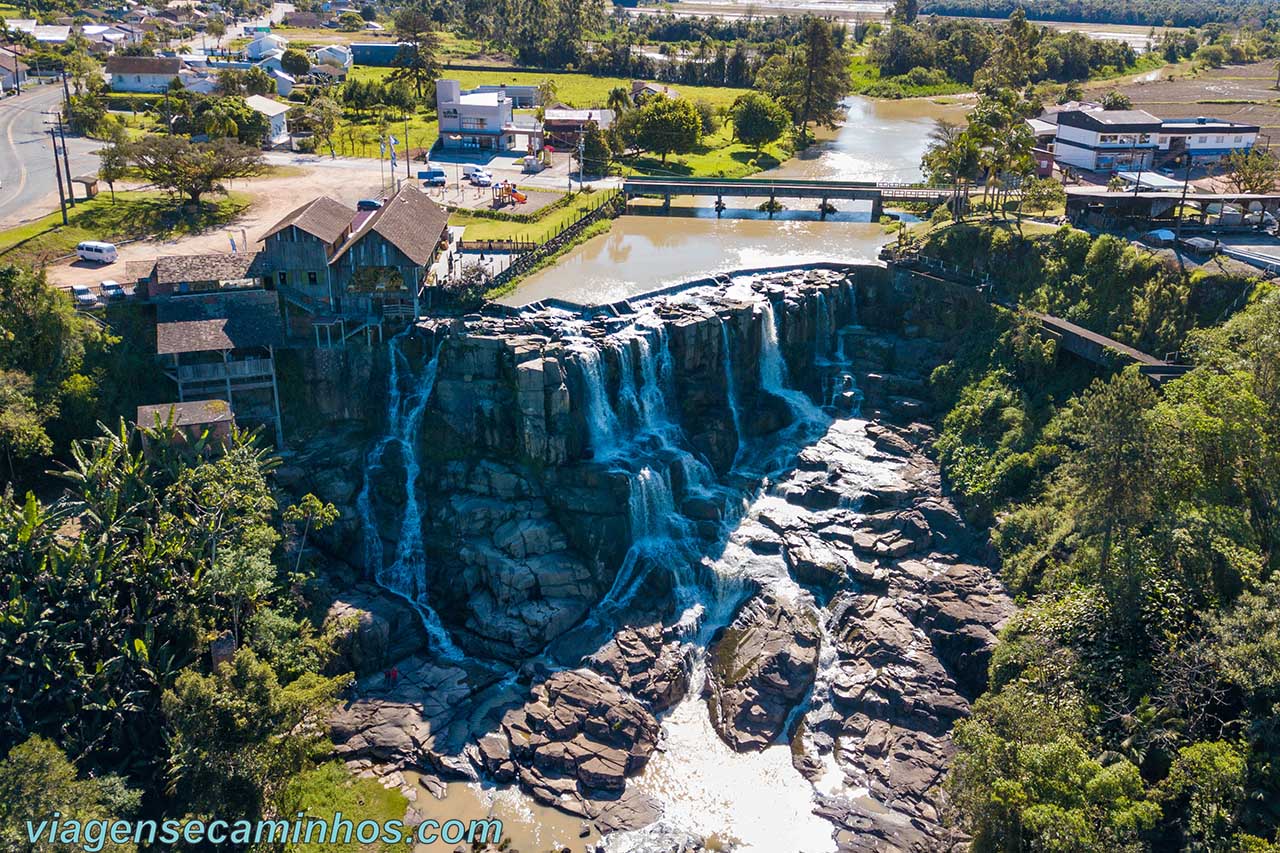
(762, 665)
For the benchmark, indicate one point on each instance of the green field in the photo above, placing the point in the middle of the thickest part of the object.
(539, 231)
(133, 215)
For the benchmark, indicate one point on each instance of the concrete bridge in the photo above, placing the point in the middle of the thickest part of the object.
(824, 192)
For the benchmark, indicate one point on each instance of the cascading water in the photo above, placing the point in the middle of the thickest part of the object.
(406, 575)
(731, 385)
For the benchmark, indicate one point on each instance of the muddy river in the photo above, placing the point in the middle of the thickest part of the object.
(879, 141)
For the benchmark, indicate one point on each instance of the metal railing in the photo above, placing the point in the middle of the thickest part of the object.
(213, 371)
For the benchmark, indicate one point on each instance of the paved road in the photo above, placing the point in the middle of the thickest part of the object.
(28, 188)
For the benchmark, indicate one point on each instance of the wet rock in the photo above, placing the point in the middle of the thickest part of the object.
(372, 629)
(814, 561)
(577, 739)
(641, 662)
(762, 665)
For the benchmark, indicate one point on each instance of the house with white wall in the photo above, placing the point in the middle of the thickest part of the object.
(275, 113)
(1106, 140)
(263, 45)
(142, 73)
(333, 54)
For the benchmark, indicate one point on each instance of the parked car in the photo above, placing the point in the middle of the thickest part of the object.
(94, 250)
(481, 179)
(111, 290)
(433, 177)
(83, 296)
(368, 204)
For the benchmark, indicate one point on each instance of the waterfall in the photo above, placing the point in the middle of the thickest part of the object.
(773, 370)
(406, 576)
(731, 386)
(602, 421)
(628, 399)
(822, 330)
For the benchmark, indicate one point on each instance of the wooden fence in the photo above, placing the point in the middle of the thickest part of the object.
(612, 204)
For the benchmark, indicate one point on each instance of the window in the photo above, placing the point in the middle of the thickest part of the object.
(473, 124)
(284, 278)
(311, 279)
(1220, 140)
(1108, 138)
(1204, 139)
(1239, 139)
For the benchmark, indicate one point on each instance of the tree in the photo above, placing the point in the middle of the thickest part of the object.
(619, 100)
(324, 115)
(1115, 100)
(596, 151)
(37, 781)
(239, 734)
(758, 119)
(906, 11)
(668, 125)
(351, 22)
(195, 169)
(295, 62)
(825, 67)
(1043, 193)
(417, 60)
(312, 512)
(217, 28)
(1114, 469)
(1252, 171)
(1208, 780)
(22, 432)
(251, 81)
(113, 159)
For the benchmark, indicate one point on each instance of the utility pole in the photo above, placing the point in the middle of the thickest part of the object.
(71, 193)
(582, 147)
(57, 170)
(407, 176)
(1186, 182)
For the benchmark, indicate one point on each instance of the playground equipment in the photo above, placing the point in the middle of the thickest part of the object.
(505, 193)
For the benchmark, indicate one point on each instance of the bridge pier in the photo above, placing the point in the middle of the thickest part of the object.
(719, 206)
(666, 202)
(773, 203)
(877, 208)
(822, 210)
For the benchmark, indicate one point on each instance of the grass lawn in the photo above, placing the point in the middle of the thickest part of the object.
(133, 215)
(483, 228)
(7, 11)
(715, 157)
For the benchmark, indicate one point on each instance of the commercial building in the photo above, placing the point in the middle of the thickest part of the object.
(478, 120)
(1106, 140)
(1207, 140)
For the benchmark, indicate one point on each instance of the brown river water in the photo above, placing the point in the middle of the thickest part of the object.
(879, 141)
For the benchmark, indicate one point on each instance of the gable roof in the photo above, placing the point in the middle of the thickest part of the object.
(266, 106)
(410, 221)
(167, 65)
(321, 217)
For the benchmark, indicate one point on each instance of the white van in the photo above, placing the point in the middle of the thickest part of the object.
(102, 253)
(470, 169)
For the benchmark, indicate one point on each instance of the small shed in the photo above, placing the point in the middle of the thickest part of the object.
(192, 418)
(90, 184)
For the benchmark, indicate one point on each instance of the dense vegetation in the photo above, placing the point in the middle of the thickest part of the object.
(114, 590)
(1132, 701)
(1153, 13)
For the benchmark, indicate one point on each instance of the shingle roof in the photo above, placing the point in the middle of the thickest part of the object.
(321, 217)
(144, 65)
(214, 267)
(190, 412)
(198, 324)
(410, 221)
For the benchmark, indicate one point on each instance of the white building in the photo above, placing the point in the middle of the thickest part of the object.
(334, 54)
(13, 71)
(1106, 140)
(284, 82)
(263, 45)
(275, 113)
(1206, 139)
(477, 120)
(142, 73)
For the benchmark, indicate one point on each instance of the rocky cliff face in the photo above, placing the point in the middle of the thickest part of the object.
(552, 443)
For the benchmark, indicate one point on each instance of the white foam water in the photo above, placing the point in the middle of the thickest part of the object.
(406, 574)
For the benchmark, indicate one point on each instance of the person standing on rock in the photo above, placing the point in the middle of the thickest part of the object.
(395, 676)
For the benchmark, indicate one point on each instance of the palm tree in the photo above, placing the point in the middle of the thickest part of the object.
(619, 100)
